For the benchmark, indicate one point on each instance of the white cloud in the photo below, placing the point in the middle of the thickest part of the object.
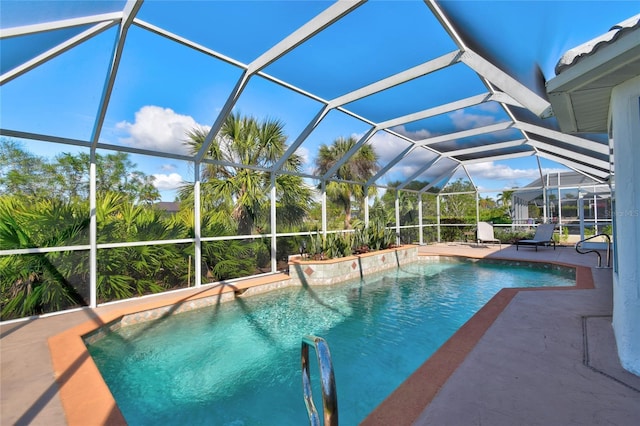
(505, 175)
(489, 106)
(491, 170)
(464, 120)
(158, 128)
(303, 153)
(415, 135)
(167, 182)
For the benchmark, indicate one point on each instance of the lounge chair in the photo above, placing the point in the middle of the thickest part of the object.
(542, 237)
(484, 234)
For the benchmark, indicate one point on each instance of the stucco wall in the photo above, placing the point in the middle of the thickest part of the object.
(625, 116)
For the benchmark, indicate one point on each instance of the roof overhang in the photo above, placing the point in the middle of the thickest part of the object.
(581, 93)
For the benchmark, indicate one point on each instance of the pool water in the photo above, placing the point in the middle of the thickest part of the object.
(238, 363)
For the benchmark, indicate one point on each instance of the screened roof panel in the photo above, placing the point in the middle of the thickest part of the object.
(407, 166)
(17, 50)
(31, 102)
(565, 147)
(19, 13)
(480, 140)
(372, 42)
(460, 176)
(157, 99)
(488, 153)
(265, 100)
(438, 174)
(419, 94)
(388, 146)
(224, 26)
(386, 65)
(456, 120)
(335, 125)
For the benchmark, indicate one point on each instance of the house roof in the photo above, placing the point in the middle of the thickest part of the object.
(581, 92)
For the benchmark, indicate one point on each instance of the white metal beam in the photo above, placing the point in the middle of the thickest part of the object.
(390, 164)
(573, 165)
(563, 137)
(465, 133)
(324, 19)
(301, 138)
(482, 148)
(131, 8)
(59, 25)
(55, 51)
(446, 24)
(332, 171)
(222, 115)
(503, 98)
(440, 109)
(570, 154)
(499, 157)
(188, 43)
(402, 77)
(507, 84)
(446, 175)
(418, 172)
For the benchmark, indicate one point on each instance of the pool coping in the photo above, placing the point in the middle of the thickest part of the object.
(407, 402)
(86, 398)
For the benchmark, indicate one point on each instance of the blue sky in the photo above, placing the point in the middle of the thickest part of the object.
(163, 89)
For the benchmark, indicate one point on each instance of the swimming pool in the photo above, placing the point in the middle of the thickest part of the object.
(238, 363)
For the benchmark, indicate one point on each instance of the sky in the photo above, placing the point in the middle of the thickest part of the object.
(164, 89)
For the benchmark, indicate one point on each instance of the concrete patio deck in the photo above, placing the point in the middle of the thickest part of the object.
(546, 357)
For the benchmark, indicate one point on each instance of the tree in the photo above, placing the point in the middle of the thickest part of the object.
(116, 172)
(359, 168)
(66, 176)
(41, 282)
(21, 172)
(244, 192)
(456, 205)
(505, 200)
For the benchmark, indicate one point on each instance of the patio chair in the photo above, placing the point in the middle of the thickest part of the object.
(542, 237)
(484, 234)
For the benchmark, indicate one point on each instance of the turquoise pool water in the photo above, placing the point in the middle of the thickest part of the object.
(238, 363)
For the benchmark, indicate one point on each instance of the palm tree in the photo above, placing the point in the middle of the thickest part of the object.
(359, 167)
(244, 192)
(38, 283)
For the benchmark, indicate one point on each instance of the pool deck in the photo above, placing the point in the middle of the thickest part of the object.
(541, 357)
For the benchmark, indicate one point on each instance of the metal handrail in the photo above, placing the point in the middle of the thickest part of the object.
(327, 380)
(596, 251)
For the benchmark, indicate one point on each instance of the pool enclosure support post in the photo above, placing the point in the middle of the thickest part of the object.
(545, 200)
(197, 231)
(397, 207)
(324, 207)
(581, 213)
(93, 233)
(595, 211)
(366, 207)
(438, 215)
(274, 248)
(420, 226)
(478, 206)
(559, 206)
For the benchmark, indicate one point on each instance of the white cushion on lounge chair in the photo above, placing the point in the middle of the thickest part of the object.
(485, 234)
(542, 237)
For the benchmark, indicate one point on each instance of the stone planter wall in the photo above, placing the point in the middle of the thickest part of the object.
(325, 272)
